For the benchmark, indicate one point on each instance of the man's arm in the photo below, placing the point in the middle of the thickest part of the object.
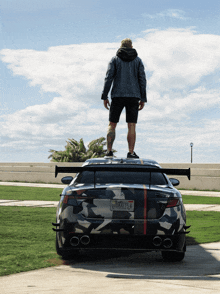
(110, 74)
(141, 105)
(106, 103)
(142, 82)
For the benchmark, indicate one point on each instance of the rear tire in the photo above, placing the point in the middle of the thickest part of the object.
(173, 256)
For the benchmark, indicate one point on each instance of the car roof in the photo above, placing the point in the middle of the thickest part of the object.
(121, 161)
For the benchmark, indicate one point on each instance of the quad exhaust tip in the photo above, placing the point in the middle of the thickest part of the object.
(85, 240)
(74, 241)
(157, 241)
(167, 243)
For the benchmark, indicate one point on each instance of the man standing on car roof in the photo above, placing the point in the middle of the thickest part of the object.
(126, 72)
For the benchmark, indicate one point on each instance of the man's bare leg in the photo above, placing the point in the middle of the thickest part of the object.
(111, 135)
(131, 136)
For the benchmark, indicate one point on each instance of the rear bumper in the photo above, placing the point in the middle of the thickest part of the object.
(125, 242)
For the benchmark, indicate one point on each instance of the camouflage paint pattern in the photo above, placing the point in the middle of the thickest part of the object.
(93, 215)
(85, 209)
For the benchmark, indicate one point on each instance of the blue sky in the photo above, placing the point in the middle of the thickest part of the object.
(54, 56)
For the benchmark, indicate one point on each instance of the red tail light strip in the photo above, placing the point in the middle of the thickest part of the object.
(65, 200)
(173, 202)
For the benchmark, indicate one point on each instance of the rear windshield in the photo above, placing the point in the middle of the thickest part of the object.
(110, 177)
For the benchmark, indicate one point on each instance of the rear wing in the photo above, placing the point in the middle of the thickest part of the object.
(111, 167)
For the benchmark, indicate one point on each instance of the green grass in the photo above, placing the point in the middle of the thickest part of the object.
(29, 193)
(27, 239)
(28, 242)
(204, 227)
(52, 194)
(200, 200)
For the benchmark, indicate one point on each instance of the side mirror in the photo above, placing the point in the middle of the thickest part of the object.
(174, 182)
(67, 180)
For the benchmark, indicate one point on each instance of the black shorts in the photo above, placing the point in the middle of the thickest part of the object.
(131, 105)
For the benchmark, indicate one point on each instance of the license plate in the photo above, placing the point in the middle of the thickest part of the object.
(122, 205)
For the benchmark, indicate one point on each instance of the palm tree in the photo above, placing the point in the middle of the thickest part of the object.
(77, 152)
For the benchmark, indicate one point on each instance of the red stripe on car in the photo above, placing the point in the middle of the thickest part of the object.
(145, 210)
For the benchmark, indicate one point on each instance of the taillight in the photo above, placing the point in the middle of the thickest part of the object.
(173, 202)
(72, 200)
(78, 194)
(65, 200)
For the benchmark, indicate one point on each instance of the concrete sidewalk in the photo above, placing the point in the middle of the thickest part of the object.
(38, 203)
(28, 203)
(19, 184)
(61, 186)
(200, 193)
(33, 203)
(136, 273)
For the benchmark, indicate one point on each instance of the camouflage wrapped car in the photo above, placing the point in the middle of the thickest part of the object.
(123, 204)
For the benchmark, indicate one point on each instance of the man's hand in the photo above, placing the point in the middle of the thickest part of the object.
(106, 104)
(141, 105)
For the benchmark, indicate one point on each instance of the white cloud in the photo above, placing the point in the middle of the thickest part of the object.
(171, 13)
(179, 58)
(178, 63)
(67, 70)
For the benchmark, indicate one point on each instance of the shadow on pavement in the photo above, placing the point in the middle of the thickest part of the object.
(199, 263)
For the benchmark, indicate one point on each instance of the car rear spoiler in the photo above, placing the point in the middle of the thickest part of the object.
(111, 167)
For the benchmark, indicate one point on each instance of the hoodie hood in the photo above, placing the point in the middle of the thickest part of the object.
(126, 54)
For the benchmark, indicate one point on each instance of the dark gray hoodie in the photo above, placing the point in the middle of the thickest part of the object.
(126, 73)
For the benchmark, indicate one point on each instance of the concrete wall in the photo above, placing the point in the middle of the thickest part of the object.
(203, 176)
